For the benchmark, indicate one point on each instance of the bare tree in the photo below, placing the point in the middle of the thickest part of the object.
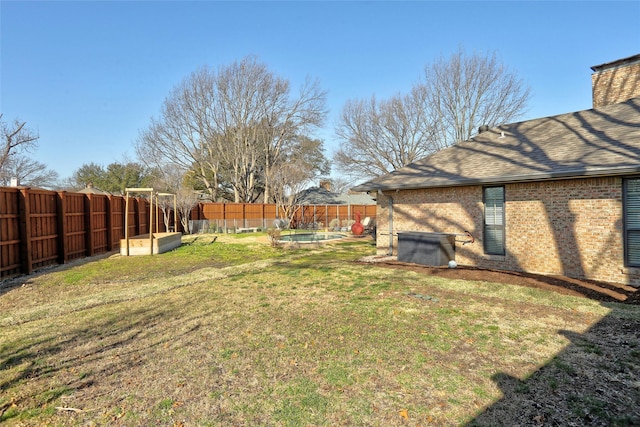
(185, 137)
(16, 138)
(341, 185)
(231, 126)
(381, 136)
(304, 163)
(285, 125)
(169, 180)
(465, 92)
(165, 203)
(186, 200)
(457, 96)
(257, 120)
(28, 172)
(289, 180)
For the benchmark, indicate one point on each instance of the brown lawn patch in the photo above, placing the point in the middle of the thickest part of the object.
(308, 337)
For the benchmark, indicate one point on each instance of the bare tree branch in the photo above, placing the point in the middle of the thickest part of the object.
(465, 92)
(28, 172)
(457, 96)
(299, 167)
(15, 139)
(379, 137)
(231, 127)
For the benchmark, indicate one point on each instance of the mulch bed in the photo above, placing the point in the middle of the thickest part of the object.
(599, 291)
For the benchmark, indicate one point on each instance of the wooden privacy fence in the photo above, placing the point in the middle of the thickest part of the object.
(234, 216)
(321, 216)
(39, 228)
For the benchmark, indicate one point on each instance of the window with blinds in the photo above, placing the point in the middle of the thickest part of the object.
(494, 221)
(631, 190)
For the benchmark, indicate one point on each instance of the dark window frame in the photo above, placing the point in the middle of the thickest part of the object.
(486, 227)
(626, 229)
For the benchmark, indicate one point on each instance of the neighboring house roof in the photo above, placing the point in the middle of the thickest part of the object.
(93, 190)
(597, 142)
(322, 196)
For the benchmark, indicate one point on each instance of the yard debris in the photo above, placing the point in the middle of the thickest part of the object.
(404, 414)
(421, 296)
(62, 408)
(599, 291)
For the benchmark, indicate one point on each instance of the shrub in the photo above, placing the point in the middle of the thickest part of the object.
(274, 236)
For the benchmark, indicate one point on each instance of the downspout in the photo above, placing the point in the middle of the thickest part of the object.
(390, 253)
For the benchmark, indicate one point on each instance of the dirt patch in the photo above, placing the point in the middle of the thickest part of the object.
(599, 291)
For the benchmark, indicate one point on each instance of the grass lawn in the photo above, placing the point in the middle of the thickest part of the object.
(237, 333)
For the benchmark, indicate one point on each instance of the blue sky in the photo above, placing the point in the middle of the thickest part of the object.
(88, 76)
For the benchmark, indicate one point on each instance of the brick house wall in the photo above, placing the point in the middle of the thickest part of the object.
(562, 227)
(615, 82)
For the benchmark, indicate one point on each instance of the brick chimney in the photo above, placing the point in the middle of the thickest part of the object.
(326, 184)
(615, 81)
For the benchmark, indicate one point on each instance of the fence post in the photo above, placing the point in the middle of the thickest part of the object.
(88, 225)
(24, 210)
(63, 255)
(136, 214)
(109, 224)
(326, 217)
(224, 217)
(244, 214)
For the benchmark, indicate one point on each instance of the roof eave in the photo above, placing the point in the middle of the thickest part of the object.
(545, 176)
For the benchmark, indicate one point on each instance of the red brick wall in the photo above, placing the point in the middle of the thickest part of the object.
(563, 227)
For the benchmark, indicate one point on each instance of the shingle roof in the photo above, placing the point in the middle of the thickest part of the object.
(93, 190)
(322, 196)
(596, 142)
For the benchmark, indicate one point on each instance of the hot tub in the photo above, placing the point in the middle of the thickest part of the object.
(433, 249)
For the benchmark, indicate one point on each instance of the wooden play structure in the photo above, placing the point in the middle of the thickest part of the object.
(153, 242)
